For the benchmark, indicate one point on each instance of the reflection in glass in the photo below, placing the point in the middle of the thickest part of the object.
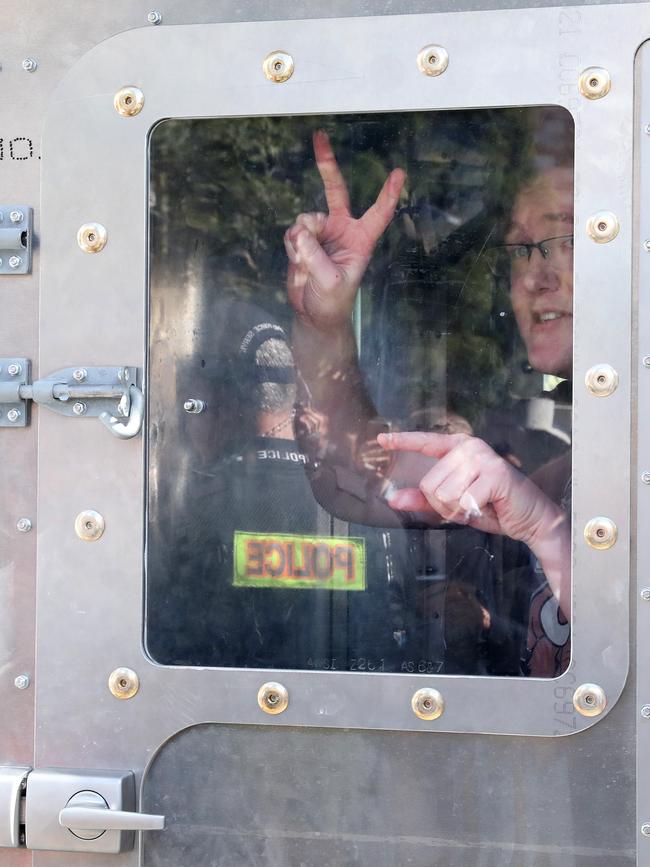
(281, 532)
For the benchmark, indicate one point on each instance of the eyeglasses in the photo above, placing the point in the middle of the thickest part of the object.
(557, 250)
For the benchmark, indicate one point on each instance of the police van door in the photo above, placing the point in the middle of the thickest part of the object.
(321, 579)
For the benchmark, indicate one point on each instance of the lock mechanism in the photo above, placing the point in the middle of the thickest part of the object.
(110, 394)
(71, 810)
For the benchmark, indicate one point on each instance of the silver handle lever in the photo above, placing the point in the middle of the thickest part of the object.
(88, 811)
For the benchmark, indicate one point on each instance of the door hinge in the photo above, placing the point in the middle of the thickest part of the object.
(110, 394)
(16, 239)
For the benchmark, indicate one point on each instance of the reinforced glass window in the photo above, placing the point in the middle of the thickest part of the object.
(297, 314)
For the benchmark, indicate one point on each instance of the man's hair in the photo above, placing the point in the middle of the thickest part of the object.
(274, 396)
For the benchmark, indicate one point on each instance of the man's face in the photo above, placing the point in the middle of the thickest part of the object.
(542, 288)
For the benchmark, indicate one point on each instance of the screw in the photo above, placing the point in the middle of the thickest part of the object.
(14, 369)
(645, 594)
(193, 405)
(80, 374)
(645, 711)
(16, 216)
(29, 64)
(24, 525)
(646, 360)
(13, 414)
(645, 478)
(154, 17)
(15, 262)
(645, 829)
(79, 408)
(22, 681)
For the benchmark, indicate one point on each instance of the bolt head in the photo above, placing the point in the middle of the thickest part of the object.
(13, 414)
(29, 64)
(79, 408)
(23, 525)
(14, 369)
(16, 216)
(15, 262)
(154, 17)
(80, 374)
(22, 681)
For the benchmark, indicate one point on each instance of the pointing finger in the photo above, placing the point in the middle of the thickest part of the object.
(336, 191)
(431, 444)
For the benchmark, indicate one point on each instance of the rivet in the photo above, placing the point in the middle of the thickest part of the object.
(16, 216)
(23, 525)
(92, 237)
(154, 17)
(601, 380)
(30, 64)
(595, 82)
(194, 405)
(128, 101)
(13, 415)
(14, 369)
(273, 697)
(645, 594)
(603, 226)
(645, 829)
(433, 60)
(15, 262)
(427, 703)
(80, 374)
(645, 478)
(123, 683)
(278, 66)
(601, 533)
(22, 681)
(645, 711)
(89, 525)
(589, 699)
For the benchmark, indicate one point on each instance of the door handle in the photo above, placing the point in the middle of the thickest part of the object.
(88, 811)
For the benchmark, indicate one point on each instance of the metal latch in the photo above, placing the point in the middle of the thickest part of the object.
(16, 239)
(71, 810)
(110, 394)
(13, 783)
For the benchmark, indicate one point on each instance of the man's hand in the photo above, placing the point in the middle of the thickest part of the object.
(470, 484)
(329, 253)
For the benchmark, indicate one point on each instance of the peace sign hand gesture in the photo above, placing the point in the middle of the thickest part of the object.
(329, 253)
